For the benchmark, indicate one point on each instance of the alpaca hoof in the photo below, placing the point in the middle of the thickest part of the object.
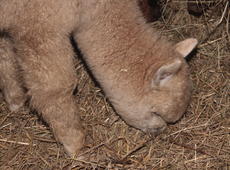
(73, 144)
(16, 104)
(15, 107)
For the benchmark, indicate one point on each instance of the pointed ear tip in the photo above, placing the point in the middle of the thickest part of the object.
(193, 41)
(178, 62)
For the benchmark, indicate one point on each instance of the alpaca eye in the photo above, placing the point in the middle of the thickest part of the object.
(155, 114)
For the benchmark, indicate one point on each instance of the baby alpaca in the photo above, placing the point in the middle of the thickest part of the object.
(145, 77)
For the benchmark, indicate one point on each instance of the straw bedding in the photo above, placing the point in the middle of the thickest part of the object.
(200, 140)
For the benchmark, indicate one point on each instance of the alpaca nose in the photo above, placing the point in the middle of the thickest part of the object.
(156, 131)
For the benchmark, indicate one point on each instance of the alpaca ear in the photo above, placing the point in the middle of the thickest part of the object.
(166, 72)
(186, 46)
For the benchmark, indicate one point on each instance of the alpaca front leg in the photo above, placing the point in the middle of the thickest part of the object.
(50, 78)
(60, 112)
(12, 91)
(56, 104)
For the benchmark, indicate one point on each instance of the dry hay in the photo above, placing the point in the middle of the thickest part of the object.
(200, 140)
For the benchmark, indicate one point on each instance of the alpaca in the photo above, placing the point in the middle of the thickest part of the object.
(144, 76)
